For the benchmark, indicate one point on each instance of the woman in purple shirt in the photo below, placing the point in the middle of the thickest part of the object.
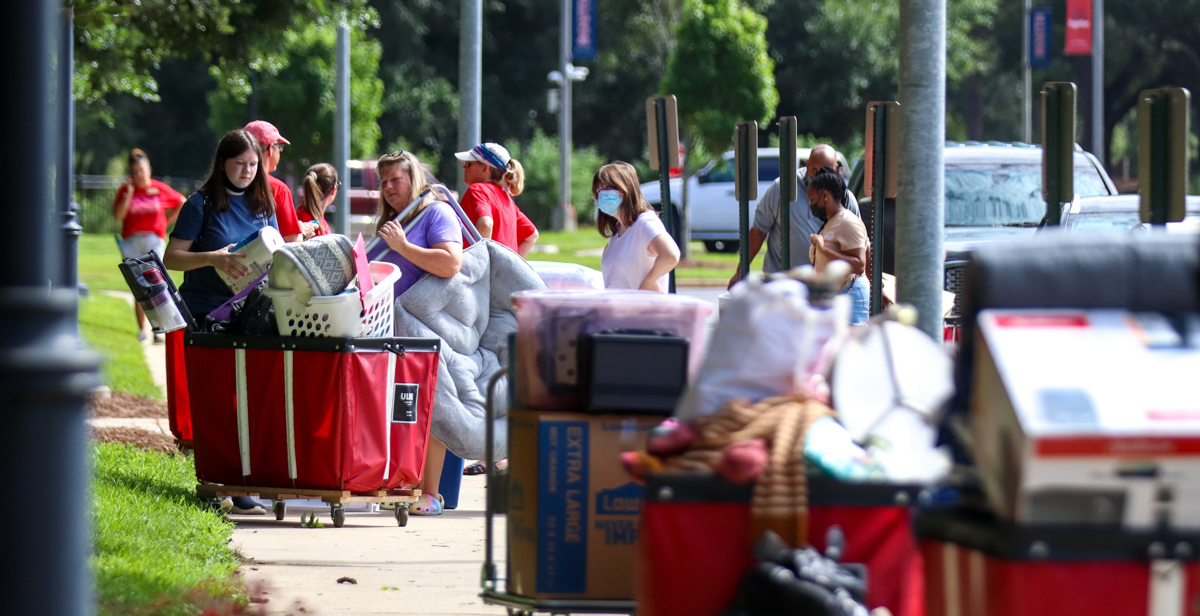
(434, 246)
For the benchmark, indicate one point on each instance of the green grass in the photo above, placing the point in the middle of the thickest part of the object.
(156, 548)
(98, 260)
(705, 265)
(109, 328)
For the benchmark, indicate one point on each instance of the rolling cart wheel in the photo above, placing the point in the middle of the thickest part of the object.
(339, 516)
(512, 611)
(401, 515)
(280, 509)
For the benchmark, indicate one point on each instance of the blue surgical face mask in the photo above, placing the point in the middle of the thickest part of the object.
(609, 201)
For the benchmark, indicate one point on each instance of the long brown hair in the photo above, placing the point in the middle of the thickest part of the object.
(623, 177)
(410, 166)
(259, 200)
(319, 181)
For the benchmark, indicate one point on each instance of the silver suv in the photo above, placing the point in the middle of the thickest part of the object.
(993, 193)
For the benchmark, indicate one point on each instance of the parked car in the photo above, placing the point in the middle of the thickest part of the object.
(714, 210)
(993, 193)
(1121, 214)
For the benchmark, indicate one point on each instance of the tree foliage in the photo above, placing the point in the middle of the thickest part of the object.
(720, 70)
(296, 94)
(120, 44)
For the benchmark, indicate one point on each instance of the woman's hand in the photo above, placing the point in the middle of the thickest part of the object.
(651, 284)
(393, 234)
(818, 241)
(309, 229)
(227, 262)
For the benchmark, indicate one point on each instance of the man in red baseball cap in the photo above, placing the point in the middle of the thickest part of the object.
(285, 208)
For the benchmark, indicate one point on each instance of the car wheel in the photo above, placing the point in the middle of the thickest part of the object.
(726, 246)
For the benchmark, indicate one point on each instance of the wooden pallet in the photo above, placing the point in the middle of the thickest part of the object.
(333, 497)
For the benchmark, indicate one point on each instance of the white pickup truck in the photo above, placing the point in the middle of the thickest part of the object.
(710, 197)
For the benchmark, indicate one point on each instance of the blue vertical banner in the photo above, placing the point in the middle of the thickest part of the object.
(583, 32)
(1039, 37)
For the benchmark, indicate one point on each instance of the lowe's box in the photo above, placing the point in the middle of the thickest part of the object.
(574, 514)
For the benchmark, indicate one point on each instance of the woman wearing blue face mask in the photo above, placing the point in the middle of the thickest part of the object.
(640, 252)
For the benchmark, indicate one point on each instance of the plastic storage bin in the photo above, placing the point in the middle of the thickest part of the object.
(340, 316)
(551, 324)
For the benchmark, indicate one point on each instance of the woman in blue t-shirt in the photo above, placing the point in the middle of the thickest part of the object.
(432, 245)
(234, 202)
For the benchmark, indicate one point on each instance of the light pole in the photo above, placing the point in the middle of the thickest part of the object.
(470, 78)
(1098, 145)
(564, 216)
(341, 127)
(1027, 75)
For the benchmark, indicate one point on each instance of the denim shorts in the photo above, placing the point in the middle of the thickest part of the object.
(141, 243)
(860, 300)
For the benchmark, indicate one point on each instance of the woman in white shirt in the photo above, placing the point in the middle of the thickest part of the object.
(640, 252)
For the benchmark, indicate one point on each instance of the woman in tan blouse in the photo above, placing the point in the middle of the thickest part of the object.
(843, 237)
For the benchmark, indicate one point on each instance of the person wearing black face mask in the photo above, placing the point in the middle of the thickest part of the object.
(767, 222)
(843, 237)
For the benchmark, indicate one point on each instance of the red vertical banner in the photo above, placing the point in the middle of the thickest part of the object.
(1079, 28)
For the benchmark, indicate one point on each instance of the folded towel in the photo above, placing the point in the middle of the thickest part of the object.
(321, 266)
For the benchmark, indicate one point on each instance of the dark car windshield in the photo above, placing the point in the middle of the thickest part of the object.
(1000, 194)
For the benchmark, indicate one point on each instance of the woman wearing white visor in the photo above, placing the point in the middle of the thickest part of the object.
(494, 178)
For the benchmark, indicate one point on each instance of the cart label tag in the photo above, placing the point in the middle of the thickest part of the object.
(404, 407)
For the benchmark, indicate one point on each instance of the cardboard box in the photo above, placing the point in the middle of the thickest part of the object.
(574, 515)
(1088, 417)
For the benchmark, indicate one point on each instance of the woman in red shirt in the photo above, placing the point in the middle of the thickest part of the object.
(494, 178)
(141, 205)
(320, 187)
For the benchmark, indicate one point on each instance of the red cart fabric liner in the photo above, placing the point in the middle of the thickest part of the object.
(977, 566)
(179, 406)
(695, 542)
(318, 413)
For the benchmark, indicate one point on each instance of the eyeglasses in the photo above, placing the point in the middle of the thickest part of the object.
(278, 145)
(394, 155)
(337, 184)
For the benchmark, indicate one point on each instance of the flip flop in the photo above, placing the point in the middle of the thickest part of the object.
(475, 468)
(426, 505)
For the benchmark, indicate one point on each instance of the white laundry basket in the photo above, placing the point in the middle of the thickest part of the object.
(340, 316)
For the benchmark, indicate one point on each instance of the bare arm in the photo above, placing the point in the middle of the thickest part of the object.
(755, 244)
(178, 256)
(857, 258)
(527, 244)
(484, 225)
(173, 212)
(666, 257)
(121, 206)
(443, 260)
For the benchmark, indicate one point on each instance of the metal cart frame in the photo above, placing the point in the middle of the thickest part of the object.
(337, 499)
(490, 581)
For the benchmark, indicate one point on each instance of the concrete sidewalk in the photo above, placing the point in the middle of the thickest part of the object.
(433, 564)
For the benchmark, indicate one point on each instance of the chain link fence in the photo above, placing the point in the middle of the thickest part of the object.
(95, 195)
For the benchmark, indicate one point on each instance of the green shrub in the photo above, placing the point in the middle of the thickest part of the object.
(540, 159)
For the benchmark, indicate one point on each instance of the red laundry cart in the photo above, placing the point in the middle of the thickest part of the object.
(179, 407)
(695, 541)
(342, 419)
(979, 566)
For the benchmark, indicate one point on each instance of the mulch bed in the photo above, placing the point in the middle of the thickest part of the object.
(142, 439)
(698, 263)
(126, 405)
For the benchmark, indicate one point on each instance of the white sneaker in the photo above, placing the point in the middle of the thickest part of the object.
(142, 336)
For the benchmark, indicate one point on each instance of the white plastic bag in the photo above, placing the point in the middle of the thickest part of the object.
(764, 343)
